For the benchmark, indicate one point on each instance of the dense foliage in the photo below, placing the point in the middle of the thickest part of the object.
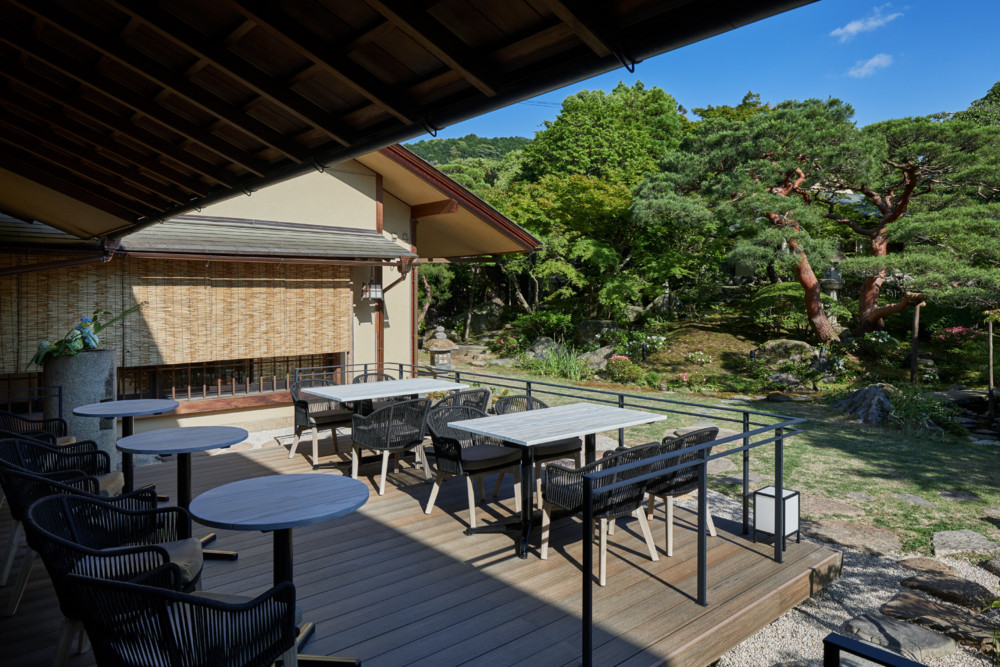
(444, 151)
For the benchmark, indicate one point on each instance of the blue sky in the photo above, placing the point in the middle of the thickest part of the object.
(888, 60)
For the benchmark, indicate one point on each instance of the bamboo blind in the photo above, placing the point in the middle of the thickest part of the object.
(195, 311)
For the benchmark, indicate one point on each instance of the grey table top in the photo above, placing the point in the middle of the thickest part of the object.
(363, 391)
(182, 440)
(277, 502)
(537, 427)
(126, 408)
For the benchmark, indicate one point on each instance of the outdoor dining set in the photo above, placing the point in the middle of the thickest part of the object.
(120, 558)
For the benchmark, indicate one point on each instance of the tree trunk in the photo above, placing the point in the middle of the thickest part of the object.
(772, 274)
(468, 318)
(427, 303)
(814, 306)
(915, 346)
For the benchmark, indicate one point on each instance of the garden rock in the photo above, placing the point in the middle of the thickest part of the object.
(963, 541)
(783, 348)
(589, 332)
(717, 466)
(785, 380)
(923, 564)
(542, 346)
(992, 566)
(952, 589)
(909, 640)
(502, 362)
(991, 512)
(956, 622)
(871, 405)
(860, 495)
(866, 539)
(597, 359)
(778, 397)
(912, 499)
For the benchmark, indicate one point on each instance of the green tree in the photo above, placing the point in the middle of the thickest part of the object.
(749, 106)
(619, 136)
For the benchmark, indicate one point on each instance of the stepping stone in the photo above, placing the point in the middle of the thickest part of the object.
(911, 641)
(716, 466)
(963, 541)
(740, 397)
(802, 398)
(948, 494)
(992, 566)
(912, 499)
(818, 505)
(866, 539)
(959, 624)
(860, 495)
(991, 512)
(952, 589)
(922, 564)
(988, 443)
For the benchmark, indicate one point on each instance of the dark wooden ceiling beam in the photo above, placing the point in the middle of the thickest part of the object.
(214, 51)
(118, 125)
(35, 48)
(26, 106)
(438, 40)
(114, 48)
(90, 159)
(309, 45)
(590, 25)
(28, 165)
(433, 208)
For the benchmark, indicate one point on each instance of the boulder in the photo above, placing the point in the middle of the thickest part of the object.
(960, 624)
(923, 564)
(785, 380)
(589, 332)
(597, 359)
(909, 640)
(871, 405)
(949, 542)
(778, 397)
(952, 589)
(542, 346)
(783, 348)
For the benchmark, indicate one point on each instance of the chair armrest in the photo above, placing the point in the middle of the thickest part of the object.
(119, 525)
(166, 576)
(91, 462)
(80, 447)
(138, 500)
(42, 436)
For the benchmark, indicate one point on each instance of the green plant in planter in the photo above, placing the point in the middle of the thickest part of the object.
(81, 337)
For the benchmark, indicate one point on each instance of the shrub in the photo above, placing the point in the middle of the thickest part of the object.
(782, 307)
(700, 358)
(559, 363)
(651, 379)
(918, 412)
(543, 323)
(621, 369)
(505, 347)
(876, 345)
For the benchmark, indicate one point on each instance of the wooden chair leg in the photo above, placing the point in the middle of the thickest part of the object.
(65, 641)
(426, 462)
(472, 501)
(295, 443)
(438, 480)
(647, 534)
(17, 590)
(355, 459)
(482, 491)
(708, 520)
(15, 542)
(315, 439)
(517, 490)
(668, 502)
(546, 521)
(602, 569)
(385, 472)
(83, 645)
(652, 506)
(496, 489)
(290, 658)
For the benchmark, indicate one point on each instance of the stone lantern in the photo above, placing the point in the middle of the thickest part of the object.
(440, 349)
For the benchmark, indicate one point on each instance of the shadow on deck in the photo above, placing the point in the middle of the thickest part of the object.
(393, 586)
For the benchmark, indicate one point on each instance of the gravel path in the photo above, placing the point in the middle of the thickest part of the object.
(866, 584)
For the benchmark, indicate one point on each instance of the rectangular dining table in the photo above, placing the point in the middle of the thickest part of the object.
(526, 430)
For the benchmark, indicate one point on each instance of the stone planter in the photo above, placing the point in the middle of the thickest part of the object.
(89, 377)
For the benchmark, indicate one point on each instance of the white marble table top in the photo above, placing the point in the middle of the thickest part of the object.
(538, 427)
(363, 391)
(182, 440)
(126, 408)
(278, 502)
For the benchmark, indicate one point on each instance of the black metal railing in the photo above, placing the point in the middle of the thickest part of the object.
(754, 429)
(31, 399)
(834, 644)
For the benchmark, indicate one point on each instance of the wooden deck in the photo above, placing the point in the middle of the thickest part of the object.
(393, 586)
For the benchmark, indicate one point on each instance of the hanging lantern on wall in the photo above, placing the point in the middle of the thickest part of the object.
(371, 290)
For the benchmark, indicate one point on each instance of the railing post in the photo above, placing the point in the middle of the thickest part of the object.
(702, 525)
(588, 572)
(779, 494)
(746, 474)
(527, 387)
(621, 431)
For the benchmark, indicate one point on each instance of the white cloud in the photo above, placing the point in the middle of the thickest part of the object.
(864, 68)
(867, 24)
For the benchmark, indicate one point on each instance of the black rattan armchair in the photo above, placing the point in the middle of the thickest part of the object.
(369, 406)
(681, 481)
(54, 427)
(392, 431)
(134, 624)
(314, 413)
(473, 398)
(563, 489)
(461, 453)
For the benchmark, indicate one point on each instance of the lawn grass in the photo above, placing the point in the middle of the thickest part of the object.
(836, 455)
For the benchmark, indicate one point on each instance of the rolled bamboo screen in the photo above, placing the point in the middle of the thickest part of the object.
(195, 311)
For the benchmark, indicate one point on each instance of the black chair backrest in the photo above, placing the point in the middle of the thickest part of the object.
(474, 398)
(38, 457)
(15, 423)
(684, 480)
(372, 377)
(439, 416)
(628, 498)
(519, 403)
(314, 403)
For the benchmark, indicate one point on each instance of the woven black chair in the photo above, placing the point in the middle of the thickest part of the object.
(25, 489)
(563, 489)
(473, 398)
(369, 406)
(134, 624)
(461, 453)
(392, 431)
(681, 481)
(567, 448)
(314, 413)
(76, 460)
(57, 428)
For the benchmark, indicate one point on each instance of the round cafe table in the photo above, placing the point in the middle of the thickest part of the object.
(128, 410)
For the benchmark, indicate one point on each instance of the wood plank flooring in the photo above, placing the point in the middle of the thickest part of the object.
(393, 586)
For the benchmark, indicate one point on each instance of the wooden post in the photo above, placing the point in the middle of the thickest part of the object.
(914, 345)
